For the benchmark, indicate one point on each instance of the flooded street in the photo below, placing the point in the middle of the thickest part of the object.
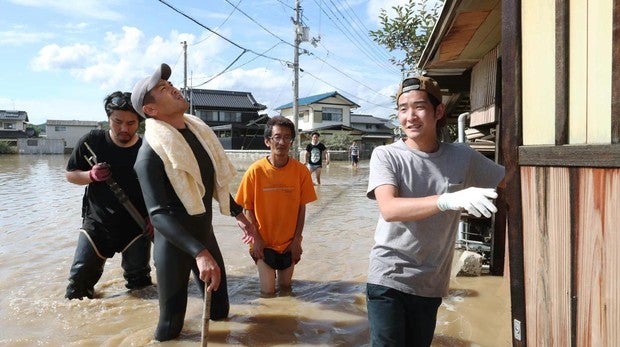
(39, 219)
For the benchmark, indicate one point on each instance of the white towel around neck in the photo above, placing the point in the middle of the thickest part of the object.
(182, 167)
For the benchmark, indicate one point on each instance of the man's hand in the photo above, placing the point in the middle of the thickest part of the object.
(208, 270)
(295, 248)
(99, 172)
(475, 200)
(257, 247)
(248, 228)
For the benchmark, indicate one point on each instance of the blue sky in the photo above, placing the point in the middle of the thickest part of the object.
(60, 58)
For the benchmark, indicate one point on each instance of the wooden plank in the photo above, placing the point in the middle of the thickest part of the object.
(578, 64)
(611, 285)
(559, 251)
(529, 193)
(597, 258)
(571, 155)
(547, 246)
(599, 71)
(511, 138)
(538, 78)
(561, 71)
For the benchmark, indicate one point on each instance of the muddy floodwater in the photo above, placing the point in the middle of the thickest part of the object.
(39, 222)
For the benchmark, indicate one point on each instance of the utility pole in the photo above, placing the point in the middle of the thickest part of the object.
(184, 43)
(298, 32)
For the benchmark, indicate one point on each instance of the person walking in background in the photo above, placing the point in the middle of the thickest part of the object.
(354, 154)
(420, 186)
(107, 226)
(315, 153)
(274, 192)
(182, 167)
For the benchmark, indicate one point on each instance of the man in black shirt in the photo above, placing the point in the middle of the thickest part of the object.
(182, 167)
(315, 152)
(107, 226)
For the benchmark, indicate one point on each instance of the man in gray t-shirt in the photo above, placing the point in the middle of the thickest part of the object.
(420, 185)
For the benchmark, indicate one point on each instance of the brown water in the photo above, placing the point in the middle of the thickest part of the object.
(39, 219)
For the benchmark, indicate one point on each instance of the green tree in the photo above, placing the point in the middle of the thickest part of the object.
(338, 141)
(408, 31)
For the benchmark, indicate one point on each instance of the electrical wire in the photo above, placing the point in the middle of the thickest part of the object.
(219, 35)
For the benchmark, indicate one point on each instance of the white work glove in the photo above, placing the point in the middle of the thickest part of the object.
(475, 200)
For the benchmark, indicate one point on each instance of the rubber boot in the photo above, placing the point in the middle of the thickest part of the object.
(85, 272)
(135, 263)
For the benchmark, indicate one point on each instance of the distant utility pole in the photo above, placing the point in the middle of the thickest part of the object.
(298, 32)
(184, 43)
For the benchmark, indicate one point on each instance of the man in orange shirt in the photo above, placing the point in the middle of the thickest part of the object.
(274, 192)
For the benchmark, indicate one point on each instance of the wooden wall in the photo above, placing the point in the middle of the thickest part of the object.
(560, 132)
(572, 262)
(483, 87)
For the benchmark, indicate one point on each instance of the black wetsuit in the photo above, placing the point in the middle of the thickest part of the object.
(108, 227)
(179, 237)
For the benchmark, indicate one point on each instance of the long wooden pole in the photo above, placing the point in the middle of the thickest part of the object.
(206, 316)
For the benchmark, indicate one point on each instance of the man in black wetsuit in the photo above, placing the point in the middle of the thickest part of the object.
(107, 226)
(182, 167)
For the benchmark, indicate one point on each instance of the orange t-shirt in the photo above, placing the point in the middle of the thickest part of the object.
(275, 195)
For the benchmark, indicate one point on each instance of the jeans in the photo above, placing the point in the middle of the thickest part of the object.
(400, 319)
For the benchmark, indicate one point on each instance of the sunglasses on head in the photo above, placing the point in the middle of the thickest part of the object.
(120, 100)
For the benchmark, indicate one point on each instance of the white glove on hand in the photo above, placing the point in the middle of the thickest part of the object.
(475, 200)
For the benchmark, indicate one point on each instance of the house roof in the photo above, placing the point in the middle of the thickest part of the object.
(367, 119)
(316, 99)
(84, 123)
(14, 115)
(332, 127)
(463, 34)
(13, 134)
(225, 99)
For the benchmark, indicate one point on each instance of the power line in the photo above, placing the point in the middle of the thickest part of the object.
(226, 69)
(224, 22)
(287, 63)
(257, 23)
(354, 39)
(345, 92)
(222, 37)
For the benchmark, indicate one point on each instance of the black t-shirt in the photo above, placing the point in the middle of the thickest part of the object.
(316, 153)
(104, 217)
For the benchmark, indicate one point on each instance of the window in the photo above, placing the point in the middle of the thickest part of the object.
(207, 116)
(332, 114)
(60, 128)
(9, 126)
(227, 116)
(219, 116)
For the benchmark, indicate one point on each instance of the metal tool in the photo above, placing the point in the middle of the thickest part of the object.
(118, 192)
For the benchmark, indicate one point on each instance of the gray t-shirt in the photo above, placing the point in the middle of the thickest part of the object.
(416, 257)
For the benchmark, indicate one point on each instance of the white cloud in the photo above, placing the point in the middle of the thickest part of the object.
(79, 9)
(52, 57)
(18, 37)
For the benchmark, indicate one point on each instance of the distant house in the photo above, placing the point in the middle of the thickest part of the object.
(233, 115)
(331, 114)
(13, 126)
(320, 111)
(377, 132)
(69, 131)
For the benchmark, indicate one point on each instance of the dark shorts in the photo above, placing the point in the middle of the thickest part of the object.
(313, 167)
(277, 261)
(355, 158)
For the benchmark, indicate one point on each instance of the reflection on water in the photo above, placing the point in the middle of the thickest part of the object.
(39, 218)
